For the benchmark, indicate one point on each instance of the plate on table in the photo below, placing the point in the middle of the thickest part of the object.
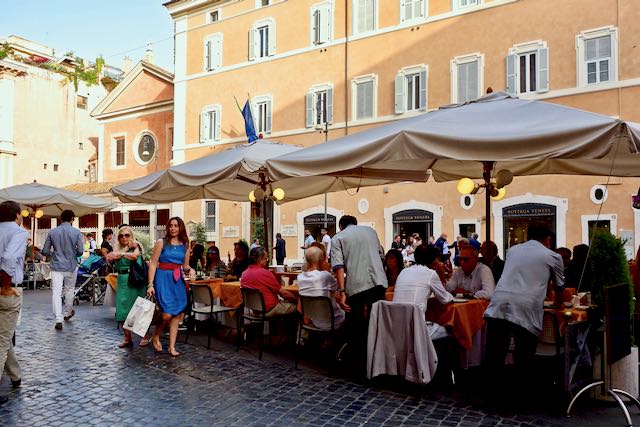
(581, 307)
(549, 304)
(460, 300)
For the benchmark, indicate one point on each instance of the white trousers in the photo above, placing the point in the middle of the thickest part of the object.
(60, 279)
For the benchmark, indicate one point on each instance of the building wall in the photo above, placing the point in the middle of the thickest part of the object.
(490, 30)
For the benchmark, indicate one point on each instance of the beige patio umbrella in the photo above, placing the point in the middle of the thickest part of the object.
(235, 172)
(474, 139)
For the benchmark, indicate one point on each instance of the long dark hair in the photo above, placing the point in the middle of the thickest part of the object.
(183, 237)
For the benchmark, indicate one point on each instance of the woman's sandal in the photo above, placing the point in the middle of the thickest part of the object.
(144, 342)
(157, 345)
(173, 352)
(125, 344)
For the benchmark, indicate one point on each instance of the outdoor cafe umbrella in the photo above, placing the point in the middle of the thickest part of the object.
(232, 174)
(471, 140)
(44, 200)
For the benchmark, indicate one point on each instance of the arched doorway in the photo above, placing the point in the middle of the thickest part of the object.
(517, 218)
(410, 221)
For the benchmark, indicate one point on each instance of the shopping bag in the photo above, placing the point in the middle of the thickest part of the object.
(140, 316)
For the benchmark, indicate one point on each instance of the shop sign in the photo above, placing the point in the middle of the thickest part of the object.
(289, 230)
(318, 219)
(412, 215)
(528, 210)
(232, 231)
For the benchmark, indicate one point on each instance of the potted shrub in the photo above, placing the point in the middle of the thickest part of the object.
(608, 266)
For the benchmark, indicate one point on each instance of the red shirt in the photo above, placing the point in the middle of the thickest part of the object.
(257, 277)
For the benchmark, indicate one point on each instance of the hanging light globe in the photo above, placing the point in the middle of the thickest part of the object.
(501, 193)
(465, 186)
(252, 196)
(278, 194)
(24, 213)
(39, 213)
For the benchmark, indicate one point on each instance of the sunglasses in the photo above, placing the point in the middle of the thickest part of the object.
(124, 235)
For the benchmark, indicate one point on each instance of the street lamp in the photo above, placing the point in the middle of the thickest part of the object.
(494, 188)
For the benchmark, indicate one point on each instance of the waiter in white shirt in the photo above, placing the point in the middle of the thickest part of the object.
(473, 277)
(326, 241)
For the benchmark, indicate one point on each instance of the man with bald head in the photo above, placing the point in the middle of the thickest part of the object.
(473, 278)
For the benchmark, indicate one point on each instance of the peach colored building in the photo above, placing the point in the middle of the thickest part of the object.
(307, 62)
(135, 139)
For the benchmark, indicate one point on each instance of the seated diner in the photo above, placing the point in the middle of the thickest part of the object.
(473, 279)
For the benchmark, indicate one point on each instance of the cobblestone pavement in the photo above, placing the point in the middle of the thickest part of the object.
(78, 376)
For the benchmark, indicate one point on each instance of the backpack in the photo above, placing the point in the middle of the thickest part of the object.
(138, 274)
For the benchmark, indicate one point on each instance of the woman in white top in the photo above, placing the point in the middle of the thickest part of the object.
(319, 283)
(415, 285)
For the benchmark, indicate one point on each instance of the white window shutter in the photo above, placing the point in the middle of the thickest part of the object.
(543, 70)
(202, 127)
(252, 44)
(325, 23)
(269, 108)
(309, 110)
(370, 12)
(218, 125)
(329, 105)
(360, 15)
(463, 95)
(400, 94)
(403, 5)
(367, 101)
(272, 38)
(207, 55)
(217, 51)
(423, 89)
(511, 75)
(420, 12)
(473, 81)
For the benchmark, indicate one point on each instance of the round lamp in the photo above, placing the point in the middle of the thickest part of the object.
(252, 196)
(278, 194)
(24, 213)
(39, 213)
(504, 177)
(465, 186)
(258, 193)
(501, 193)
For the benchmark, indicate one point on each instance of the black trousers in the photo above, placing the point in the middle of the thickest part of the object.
(279, 261)
(499, 333)
(357, 324)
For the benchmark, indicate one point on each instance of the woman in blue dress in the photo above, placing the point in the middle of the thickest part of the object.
(169, 260)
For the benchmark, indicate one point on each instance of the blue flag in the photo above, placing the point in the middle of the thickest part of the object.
(249, 125)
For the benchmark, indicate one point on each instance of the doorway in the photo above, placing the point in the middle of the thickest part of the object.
(315, 222)
(410, 221)
(517, 218)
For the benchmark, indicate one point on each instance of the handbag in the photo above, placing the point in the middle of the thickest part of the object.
(140, 316)
(138, 274)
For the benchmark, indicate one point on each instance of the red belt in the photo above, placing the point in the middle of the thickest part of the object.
(171, 266)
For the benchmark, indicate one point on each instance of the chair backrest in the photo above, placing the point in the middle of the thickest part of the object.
(201, 293)
(550, 330)
(318, 308)
(252, 299)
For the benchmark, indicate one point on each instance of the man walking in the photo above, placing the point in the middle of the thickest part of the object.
(281, 249)
(308, 239)
(356, 252)
(13, 239)
(64, 246)
(326, 241)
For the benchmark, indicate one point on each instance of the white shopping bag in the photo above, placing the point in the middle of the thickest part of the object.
(140, 317)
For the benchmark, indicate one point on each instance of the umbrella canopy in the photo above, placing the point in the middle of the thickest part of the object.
(231, 174)
(52, 201)
(527, 137)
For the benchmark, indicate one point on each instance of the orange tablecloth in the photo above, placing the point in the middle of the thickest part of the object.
(462, 319)
(231, 296)
(576, 316)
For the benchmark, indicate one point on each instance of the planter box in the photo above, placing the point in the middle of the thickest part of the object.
(624, 375)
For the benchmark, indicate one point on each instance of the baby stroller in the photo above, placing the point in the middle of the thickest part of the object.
(90, 283)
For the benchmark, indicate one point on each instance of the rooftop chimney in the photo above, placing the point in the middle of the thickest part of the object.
(126, 64)
(148, 55)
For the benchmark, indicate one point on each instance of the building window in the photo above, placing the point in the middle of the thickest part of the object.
(262, 3)
(597, 52)
(411, 89)
(321, 24)
(319, 106)
(55, 168)
(598, 194)
(210, 216)
(262, 107)
(604, 222)
(214, 16)
(81, 102)
(364, 16)
(119, 151)
(466, 78)
(44, 166)
(213, 52)
(412, 9)
(80, 146)
(467, 201)
(146, 149)
(528, 68)
(262, 39)
(210, 124)
(364, 97)
(467, 3)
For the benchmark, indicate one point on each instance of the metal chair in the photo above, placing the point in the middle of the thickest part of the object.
(317, 308)
(201, 294)
(253, 300)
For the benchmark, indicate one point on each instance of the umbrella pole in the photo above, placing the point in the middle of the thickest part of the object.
(487, 167)
(266, 229)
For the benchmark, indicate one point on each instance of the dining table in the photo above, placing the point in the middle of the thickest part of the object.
(462, 318)
(229, 292)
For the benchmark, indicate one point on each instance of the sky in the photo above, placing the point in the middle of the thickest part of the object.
(111, 28)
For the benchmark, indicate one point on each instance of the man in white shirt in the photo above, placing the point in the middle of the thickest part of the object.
(474, 278)
(317, 283)
(326, 241)
(415, 285)
(308, 239)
